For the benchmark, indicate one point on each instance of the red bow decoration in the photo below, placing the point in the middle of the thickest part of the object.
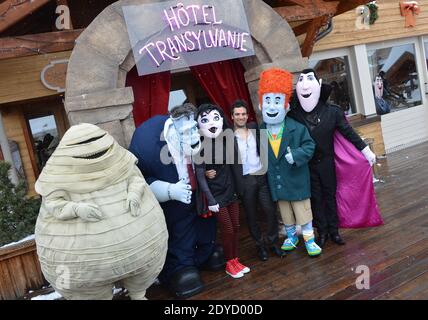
(409, 9)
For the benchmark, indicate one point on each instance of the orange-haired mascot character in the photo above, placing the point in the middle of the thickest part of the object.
(290, 149)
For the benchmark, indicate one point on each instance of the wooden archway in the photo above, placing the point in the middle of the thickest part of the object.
(95, 85)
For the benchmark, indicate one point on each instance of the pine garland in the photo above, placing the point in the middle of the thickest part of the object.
(18, 213)
(373, 12)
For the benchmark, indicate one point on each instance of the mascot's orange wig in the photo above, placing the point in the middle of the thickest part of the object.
(276, 81)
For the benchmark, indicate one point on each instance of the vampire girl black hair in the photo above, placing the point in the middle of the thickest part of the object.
(206, 108)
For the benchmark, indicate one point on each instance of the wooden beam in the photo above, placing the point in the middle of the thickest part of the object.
(307, 10)
(281, 3)
(345, 6)
(301, 28)
(12, 47)
(311, 35)
(13, 11)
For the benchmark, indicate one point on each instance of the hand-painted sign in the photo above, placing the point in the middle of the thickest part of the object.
(170, 35)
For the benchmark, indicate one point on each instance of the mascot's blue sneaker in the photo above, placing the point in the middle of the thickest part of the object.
(292, 239)
(290, 244)
(312, 248)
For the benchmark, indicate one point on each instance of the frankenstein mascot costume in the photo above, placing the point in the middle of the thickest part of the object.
(322, 119)
(165, 147)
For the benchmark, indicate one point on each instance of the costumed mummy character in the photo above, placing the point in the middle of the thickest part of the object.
(99, 222)
(290, 149)
(221, 190)
(166, 162)
(322, 120)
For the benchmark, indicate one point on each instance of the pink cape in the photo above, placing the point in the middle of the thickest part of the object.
(355, 197)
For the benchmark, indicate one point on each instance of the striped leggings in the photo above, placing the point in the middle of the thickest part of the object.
(228, 219)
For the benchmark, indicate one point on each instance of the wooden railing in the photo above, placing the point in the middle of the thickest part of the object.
(19, 270)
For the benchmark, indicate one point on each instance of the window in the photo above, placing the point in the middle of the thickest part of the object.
(426, 52)
(45, 136)
(426, 60)
(185, 88)
(335, 71)
(395, 79)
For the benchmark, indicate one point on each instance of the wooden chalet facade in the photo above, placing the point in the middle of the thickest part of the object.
(401, 53)
(33, 59)
(34, 55)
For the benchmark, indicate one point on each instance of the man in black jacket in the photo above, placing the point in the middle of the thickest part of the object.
(322, 119)
(256, 189)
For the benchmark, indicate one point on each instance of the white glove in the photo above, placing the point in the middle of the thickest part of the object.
(180, 191)
(88, 212)
(370, 156)
(214, 208)
(289, 156)
(133, 203)
(165, 191)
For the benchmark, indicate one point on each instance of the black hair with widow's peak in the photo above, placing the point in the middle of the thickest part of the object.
(238, 104)
(206, 108)
(309, 70)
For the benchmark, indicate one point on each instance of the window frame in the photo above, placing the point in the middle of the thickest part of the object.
(424, 53)
(420, 65)
(343, 52)
(29, 116)
(53, 107)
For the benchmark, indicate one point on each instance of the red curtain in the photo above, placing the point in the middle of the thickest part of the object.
(224, 83)
(151, 94)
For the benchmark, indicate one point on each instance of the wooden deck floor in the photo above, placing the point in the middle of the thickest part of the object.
(396, 253)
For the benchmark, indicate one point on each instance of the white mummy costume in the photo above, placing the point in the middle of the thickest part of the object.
(99, 222)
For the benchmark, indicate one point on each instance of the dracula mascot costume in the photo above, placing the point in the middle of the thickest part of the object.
(99, 222)
(358, 207)
(165, 147)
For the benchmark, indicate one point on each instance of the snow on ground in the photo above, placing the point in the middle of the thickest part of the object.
(22, 240)
(117, 290)
(52, 296)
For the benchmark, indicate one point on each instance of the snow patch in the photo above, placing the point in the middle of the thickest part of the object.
(32, 237)
(52, 296)
(117, 290)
